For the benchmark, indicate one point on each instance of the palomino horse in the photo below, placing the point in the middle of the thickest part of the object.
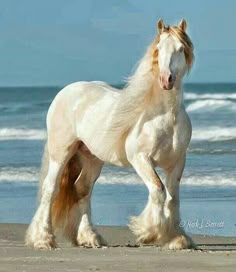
(144, 126)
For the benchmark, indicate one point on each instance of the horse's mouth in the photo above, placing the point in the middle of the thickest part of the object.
(168, 87)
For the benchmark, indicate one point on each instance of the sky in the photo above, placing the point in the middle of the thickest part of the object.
(57, 42)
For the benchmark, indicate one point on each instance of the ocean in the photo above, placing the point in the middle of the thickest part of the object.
(208, 186)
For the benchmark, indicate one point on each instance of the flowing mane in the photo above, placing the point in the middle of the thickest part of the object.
(137, 93)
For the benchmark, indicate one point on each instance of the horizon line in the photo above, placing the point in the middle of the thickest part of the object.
(112, 84)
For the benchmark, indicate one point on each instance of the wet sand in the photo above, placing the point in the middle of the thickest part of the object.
(121, 254)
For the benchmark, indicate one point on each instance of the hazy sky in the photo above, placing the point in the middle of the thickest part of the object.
(55, 42)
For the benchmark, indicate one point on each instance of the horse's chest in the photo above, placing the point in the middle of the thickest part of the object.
(162, 140)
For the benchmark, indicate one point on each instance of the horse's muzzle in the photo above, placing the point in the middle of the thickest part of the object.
(167, 80)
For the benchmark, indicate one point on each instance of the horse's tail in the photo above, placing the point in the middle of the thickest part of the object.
(67, 195)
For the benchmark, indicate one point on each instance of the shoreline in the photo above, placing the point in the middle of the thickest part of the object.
(122, 254)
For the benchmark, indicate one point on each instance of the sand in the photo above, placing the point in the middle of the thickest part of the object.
(122, 254)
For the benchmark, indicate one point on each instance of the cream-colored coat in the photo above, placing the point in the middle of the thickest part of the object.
(143, 126)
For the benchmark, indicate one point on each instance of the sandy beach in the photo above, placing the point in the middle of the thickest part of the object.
(121, 254)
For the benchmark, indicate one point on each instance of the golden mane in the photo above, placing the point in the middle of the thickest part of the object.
(182, 37)
(138, 92)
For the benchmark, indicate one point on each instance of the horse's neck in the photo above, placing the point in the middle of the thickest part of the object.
(144, 94)
(168, 100)
(140, 95)
(144, 90)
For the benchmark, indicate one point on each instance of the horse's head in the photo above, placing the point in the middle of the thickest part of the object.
(174, 53)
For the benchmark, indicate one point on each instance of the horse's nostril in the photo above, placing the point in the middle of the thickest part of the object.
(169, 78)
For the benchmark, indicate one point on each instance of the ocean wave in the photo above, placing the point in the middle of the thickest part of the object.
(133, 179)
(22, 134)
(31, 174)
(211, 151)
(214, 134)
(25, 106)
(219, 180)
(211, 104)
(199, 134)
(216, 96)
(21, 174)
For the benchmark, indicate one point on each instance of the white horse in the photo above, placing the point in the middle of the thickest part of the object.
(144, 126)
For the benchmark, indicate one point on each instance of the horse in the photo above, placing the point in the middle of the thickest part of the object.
(143, 126)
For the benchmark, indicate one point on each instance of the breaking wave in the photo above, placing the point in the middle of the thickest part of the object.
(21, 174)
(195, 96)
(22, 134)
(211, 104)
(204, 133)
(214, 134)
(31, 174)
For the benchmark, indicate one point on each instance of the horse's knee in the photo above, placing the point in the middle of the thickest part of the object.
(157, 196)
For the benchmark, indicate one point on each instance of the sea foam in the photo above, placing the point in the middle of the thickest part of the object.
(201, 133)
(214, 134)
(210, 104)
(195, 96)
(19, 174)
(123, 177)
(22, 134)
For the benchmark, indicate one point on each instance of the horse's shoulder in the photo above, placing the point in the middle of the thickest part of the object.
(184, 118)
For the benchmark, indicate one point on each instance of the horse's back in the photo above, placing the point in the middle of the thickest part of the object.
(80, 89)
(80, 112)
(78, 93)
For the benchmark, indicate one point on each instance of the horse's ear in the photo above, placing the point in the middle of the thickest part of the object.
(183, 25)
(160, 25)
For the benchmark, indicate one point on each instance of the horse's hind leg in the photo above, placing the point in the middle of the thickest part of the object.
(40, 234)
(79, 228)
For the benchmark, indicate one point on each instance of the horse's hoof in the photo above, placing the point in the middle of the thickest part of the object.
(45, 245)
(181, 242)
(88, 239)
(41, 241)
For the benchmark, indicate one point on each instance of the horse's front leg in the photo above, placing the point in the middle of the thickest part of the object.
(178, 238)
(149, 227)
